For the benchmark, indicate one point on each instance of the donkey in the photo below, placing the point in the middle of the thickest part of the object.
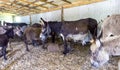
(50, 28)
(101, 50)
(82, 30)
(14, 24)
(4, 38)
(107, 41)
(22, 26)
(31, 35)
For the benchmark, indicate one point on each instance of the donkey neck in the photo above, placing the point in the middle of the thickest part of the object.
(10, 33)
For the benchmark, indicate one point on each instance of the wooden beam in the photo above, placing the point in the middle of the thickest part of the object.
(33, 3)
(51, 3)
(41, 5)
(13, 18)
(67, 1)
(6, 1)
(30, 20)
(13, 2)
(43, 0)
(1, 5)
(62, 14)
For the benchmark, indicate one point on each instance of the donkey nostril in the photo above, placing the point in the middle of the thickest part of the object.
(92, 64)
(111, 35)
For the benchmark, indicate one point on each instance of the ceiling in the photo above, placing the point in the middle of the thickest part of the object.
(27, 7)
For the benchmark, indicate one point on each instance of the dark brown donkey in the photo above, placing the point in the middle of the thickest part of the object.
(82, 30)
(4, 38)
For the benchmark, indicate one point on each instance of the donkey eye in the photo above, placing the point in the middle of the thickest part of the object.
(111, 35)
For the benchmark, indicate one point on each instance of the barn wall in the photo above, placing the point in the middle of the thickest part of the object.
(96, 10)
(6, 17)
(25, 19)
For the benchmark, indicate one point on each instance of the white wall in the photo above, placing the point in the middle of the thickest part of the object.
(6, 17)
(25, 19)
(96, 10)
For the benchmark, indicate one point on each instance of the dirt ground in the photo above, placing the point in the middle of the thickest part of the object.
(40, 59)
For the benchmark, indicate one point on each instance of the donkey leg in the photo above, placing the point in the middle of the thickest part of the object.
(35, 43)
(9, 45)
(27, 49)
(43, 45)
(53, 37)
(4, 52)
(83, 43)
(26, 44)
(66, 50)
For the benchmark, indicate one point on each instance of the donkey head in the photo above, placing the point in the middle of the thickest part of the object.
(98, 55)
(11, 31)
(18, 31)
(45, 30)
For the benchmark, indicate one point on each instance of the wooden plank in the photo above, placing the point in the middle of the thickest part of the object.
(62, 14)
(30, 20)
(5, 1)
(51, 3)
(67, 1)
(29, 3)
(1, 5)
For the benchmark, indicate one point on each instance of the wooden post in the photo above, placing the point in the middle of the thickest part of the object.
(13, 18)
(30, 20)
(0, 23)
(62, 14)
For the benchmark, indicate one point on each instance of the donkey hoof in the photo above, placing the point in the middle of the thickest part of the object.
(44, 47)
(65, 53)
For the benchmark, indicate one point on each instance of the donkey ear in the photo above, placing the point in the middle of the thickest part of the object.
(42, 23)
(99, 34)
(42, 20)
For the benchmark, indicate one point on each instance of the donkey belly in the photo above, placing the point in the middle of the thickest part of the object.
(76, 37)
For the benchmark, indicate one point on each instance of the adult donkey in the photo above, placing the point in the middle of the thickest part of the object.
(31, 35)
(80, 30)
(22, 26)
